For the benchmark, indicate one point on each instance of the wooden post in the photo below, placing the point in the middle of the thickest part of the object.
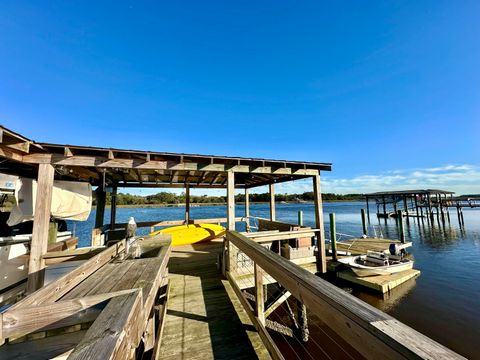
(400, 226)
(364, 222)
(430, 213)
(447, 208)
(271, 188)
(247, 209)
(39, 244)
(101, 196)
(405, 206)
(259, 296)
(459, 214)
(113, 208)
(416, 205)
(187, 203)
(227, 249)
(321, 261)
(438, 208)
(368, 208)
(231, 200)
(422, 206)
(384, 205)
(333, 236)
(300, 217)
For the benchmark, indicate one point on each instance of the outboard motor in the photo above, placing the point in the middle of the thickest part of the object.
(393, 248)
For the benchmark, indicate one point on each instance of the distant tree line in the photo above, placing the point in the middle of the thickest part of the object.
(171, 199)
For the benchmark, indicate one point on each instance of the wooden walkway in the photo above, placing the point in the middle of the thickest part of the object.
(205, 319)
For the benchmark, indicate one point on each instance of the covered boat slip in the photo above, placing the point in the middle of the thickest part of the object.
(245, 296)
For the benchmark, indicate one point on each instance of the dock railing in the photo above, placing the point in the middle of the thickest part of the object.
(369, 331)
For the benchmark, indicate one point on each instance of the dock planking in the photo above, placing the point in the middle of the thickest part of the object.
(204, 318)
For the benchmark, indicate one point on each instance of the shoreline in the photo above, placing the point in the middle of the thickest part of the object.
(180, 205)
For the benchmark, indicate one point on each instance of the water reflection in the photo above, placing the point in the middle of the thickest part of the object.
(389, 300)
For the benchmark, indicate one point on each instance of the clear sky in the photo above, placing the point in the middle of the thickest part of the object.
(389, 91)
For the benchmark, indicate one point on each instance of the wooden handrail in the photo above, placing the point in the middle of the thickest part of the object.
(370, 331)
(282, 235)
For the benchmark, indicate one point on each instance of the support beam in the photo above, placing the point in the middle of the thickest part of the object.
(259, 296)
(271, 189)
(187, 203)
(286, 294)
(116, 161)
(101, 196)
(321, 258)
(39, 243)
(247, 209)
(368, 208)
(113, 207)
(231, 200)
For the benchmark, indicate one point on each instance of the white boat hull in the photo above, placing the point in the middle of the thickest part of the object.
(13, 262)
(364, 270)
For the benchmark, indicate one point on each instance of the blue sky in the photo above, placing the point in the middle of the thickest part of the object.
(387, 91)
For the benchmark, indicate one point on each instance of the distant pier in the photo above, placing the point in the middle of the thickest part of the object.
(428, 203)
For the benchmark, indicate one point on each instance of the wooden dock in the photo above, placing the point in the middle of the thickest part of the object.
(204, 318)
(113, 305)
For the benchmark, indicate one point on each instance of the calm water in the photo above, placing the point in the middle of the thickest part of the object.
(443, 303)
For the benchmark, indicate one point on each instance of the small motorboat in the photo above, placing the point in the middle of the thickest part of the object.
(192, 233)
(377, 263)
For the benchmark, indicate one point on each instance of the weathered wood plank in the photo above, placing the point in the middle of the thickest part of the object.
(271, 190)
(277, 303)
(68, 244)
(231, 200)
(259, 295)
(283, 235)
(317, 194)
(88, 286)
(162, 313)
(55, 257)
(19, 322)
(61, 286)
(122, 163)
(41, 349)
(111, 331)
(39, 243)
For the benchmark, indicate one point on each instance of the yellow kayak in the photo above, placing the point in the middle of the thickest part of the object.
(191, 234)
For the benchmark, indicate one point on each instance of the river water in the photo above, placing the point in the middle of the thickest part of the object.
(443, 303)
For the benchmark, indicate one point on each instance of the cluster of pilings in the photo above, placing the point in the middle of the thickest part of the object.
(429, 204)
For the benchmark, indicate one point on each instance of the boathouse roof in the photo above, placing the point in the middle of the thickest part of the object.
(410, 192)
(141, 168)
